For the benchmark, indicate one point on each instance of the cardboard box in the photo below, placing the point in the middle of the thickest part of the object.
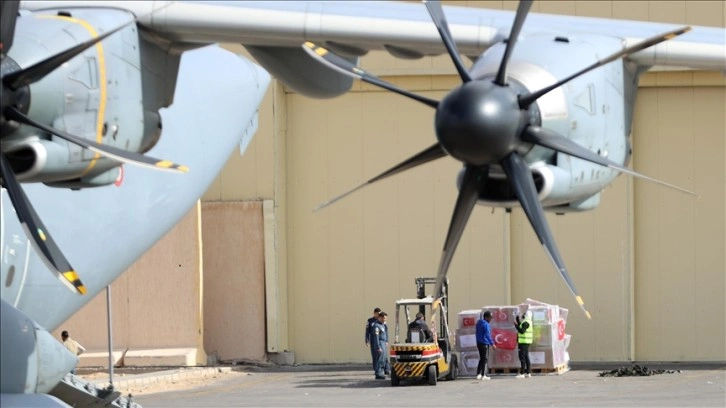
(563, 313)
(545, 314)
(468, 363)
(544, 335)
(505, 338)
(466, 340)
(468, 318)
(548, 357)
(502, 316)
(501, 358)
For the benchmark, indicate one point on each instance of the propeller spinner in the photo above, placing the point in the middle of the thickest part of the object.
(483, 123)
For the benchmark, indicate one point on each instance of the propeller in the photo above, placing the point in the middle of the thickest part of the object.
(8, 14)
(485, 123)
(34, 228)
(15, 97)
(15, 81)
(525, 101)
(522, 10)
(552, 140)
(345, 67)
(111, 152)
(432, 153)
(439, 19)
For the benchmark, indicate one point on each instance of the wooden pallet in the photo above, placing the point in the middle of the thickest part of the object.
(560, 369)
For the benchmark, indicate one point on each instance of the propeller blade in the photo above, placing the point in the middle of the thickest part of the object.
(39, 235)
(522, 11)
(439, 19)
(432, 153)
(37, 71)
(522, 183)
(526, 100)
(111, 152)
(8, 15)
(552, 140)
(471, 184)
(345, 67)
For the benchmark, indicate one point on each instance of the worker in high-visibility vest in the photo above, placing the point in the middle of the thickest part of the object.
(524, 339)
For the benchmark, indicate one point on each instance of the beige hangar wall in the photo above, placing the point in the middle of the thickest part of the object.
(156, 306)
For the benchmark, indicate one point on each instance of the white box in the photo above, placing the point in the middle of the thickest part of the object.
(466, 340)
(468, 318)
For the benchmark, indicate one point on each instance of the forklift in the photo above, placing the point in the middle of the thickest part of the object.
(415, 357)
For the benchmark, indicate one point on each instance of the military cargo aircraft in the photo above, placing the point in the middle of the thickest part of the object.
(91, 87)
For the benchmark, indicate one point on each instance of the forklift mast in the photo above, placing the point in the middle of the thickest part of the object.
(421, 293)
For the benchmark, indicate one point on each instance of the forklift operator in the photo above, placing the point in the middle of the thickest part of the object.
(420, 325)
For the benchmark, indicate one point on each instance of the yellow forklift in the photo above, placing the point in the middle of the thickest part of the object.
(415, 357)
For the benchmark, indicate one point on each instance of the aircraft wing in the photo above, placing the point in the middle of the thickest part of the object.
(405, 30)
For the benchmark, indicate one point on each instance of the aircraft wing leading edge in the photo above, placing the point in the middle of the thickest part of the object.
(363, 26)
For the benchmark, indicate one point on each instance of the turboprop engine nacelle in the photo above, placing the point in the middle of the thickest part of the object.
(554, 185)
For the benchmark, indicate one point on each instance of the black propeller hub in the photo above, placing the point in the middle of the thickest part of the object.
(479, 122)
(19, 98)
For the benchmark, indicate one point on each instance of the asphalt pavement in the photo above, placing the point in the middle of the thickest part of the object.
(355, 386)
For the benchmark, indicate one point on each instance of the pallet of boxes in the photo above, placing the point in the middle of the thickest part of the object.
(547, 354)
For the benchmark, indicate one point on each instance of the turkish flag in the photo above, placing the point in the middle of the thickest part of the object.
(560, 329)
(505, 338)
(500, 316)
(469, 321)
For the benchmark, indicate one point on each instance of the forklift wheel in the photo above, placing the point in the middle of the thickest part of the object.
(453, 369)
(432, 374)
(395, 381)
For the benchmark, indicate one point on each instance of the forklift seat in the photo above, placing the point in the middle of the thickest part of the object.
(415, 336)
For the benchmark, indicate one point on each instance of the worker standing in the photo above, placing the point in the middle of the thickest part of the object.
(369, 324)
(72, 346)
(483, 342)
(378, 340)
(524, 339)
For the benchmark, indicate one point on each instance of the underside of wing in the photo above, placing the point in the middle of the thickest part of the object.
(351, 29)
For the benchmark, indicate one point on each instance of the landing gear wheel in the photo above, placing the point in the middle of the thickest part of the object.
(432, 374)
(453, 369)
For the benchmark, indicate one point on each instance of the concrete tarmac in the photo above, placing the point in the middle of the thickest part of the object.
(354, 386)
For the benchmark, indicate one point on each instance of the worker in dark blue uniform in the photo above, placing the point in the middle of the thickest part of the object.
(378, 343)
(386, 356)
(371, 321)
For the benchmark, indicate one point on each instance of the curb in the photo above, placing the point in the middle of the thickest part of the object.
(141, 380)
